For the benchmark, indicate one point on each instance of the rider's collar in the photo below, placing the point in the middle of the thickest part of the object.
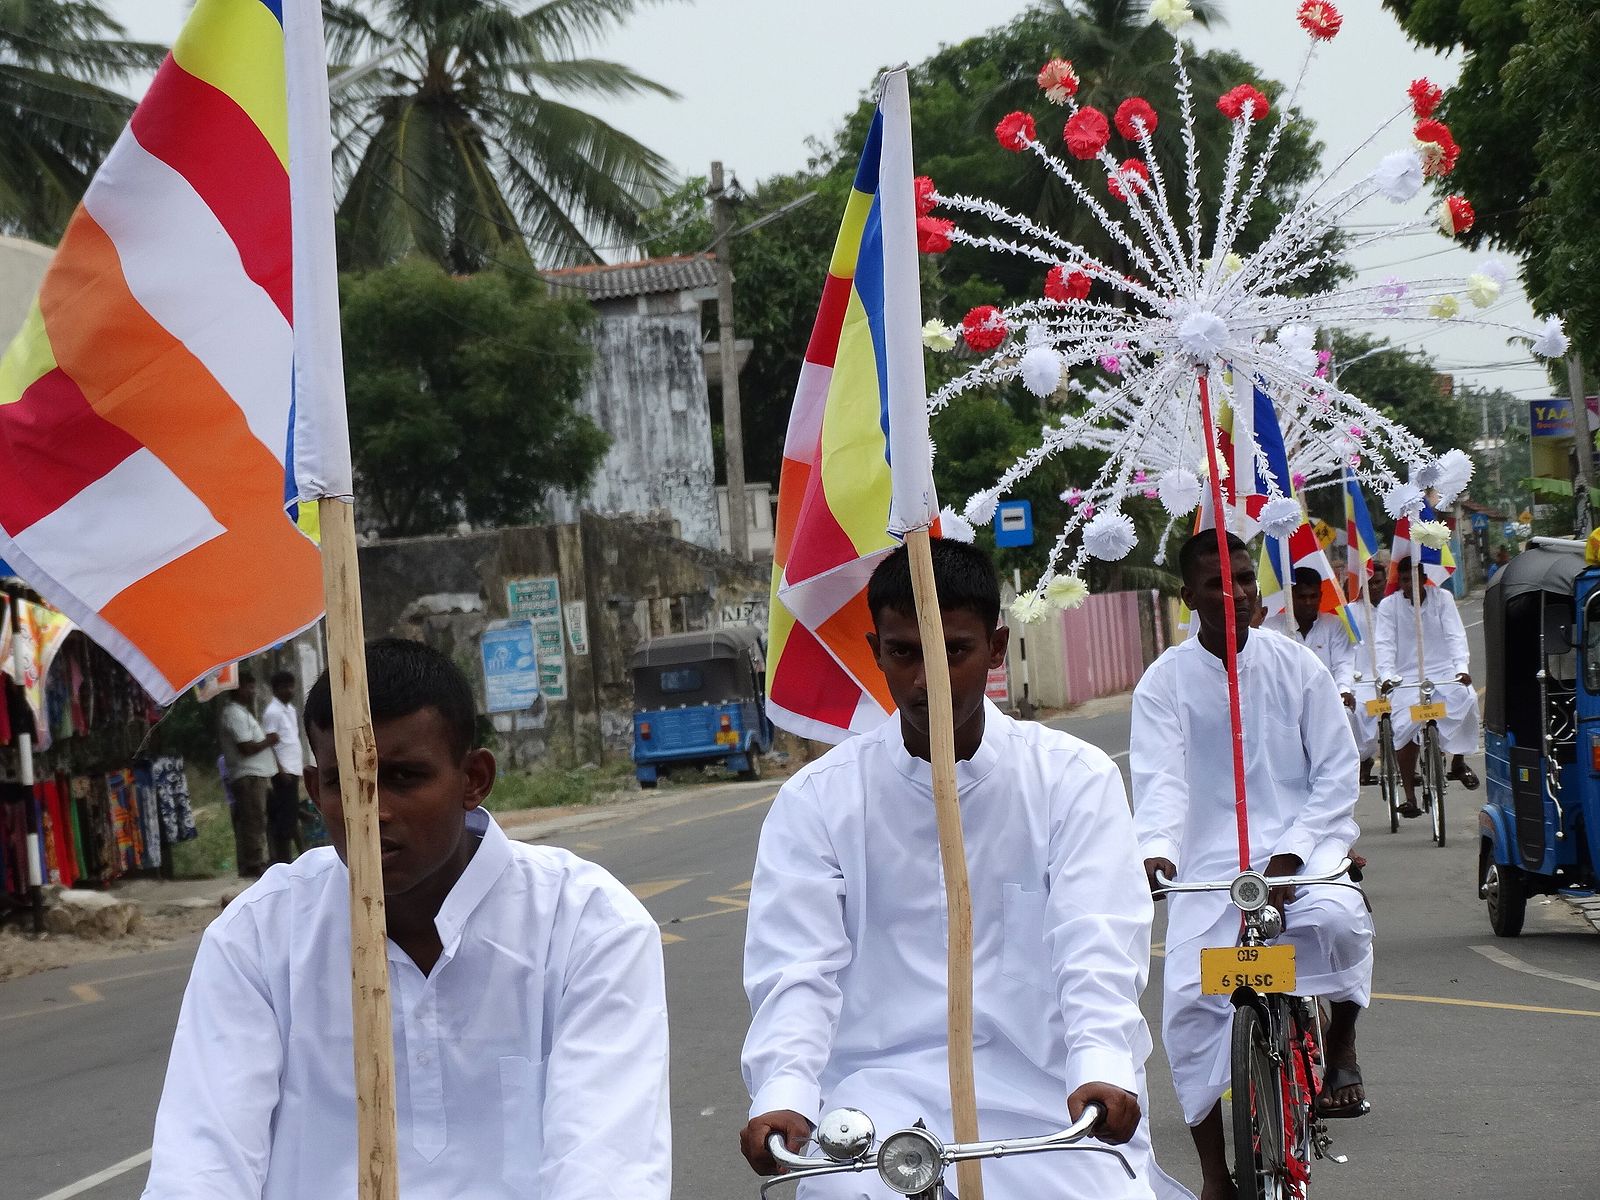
(968, 771)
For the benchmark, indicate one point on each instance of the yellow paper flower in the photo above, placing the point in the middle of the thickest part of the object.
(1066, 591)
(1174, 14)
(938, 337)
(1028, 608)
(1445, 308)
(1482, 290)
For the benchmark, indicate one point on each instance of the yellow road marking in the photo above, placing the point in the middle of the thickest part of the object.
(1527, 1008)
(80, 1001)
(724, 812)
(86, 993)
(668, 938)
(644, 891)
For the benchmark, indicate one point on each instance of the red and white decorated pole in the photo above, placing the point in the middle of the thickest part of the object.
(1229, 621)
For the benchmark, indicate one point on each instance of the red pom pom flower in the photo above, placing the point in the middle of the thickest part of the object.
(984, 328)
(933, 234)
(1016, 130)
(1063, 284)
(1058, 81)
(1439, 149)
(925, 191)
(1131, 113)
(1456, 216)
(1233, 103)
(1320, 19)
(1087, 133)
(1425, 98)
(1131, 176)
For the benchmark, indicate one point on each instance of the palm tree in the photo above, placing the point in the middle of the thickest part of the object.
(57, 117)
(458, 140)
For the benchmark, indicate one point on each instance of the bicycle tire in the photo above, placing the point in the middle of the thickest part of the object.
(1435, 772)
(1389, 771)
(1257, 1109)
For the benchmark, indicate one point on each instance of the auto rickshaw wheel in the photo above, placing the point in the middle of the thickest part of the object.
(1505, 891)
(753, 771)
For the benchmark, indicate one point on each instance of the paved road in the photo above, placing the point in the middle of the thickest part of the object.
(1478, 1063)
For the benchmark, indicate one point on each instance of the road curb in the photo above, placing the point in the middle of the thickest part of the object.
(1588, 907)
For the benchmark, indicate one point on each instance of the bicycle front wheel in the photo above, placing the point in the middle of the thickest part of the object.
(1389, 772)
(1433, 755)
(1257, 1109)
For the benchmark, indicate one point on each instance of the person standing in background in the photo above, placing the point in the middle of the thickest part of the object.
(279, 720)
(247, 749)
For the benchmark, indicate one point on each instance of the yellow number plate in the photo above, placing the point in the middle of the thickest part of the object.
(728, 737)
(1427, 712)
(1263, 968)
(1376, 708)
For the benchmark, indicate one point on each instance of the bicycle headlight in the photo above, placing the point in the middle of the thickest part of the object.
(910, 1161)
(1249, 892)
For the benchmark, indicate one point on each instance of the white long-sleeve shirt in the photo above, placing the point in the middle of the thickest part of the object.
(530, 1063)
(845, 949)
(281, 719)
(1445, 653)
(1301, 766)
(1328, 640)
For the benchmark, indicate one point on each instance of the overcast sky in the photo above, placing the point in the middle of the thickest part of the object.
(757, 78)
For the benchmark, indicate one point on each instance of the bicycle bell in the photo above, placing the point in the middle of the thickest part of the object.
(1271, 922)
(846, 1134)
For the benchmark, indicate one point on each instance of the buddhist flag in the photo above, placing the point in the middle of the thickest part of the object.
(176, 387)
(857, 463)
(1361, 539)
(1437, 565)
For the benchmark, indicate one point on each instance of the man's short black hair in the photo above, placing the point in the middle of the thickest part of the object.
(1306, 577)
(1201, 548)
(246, 677)
(282, 679)
(963, 574)
(404, 677)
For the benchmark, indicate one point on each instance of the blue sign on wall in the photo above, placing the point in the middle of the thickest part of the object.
(1551, 418)
(1013, 523)
(510, 667)
(1480, 522)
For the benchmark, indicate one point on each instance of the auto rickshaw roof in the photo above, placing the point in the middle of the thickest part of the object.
(734, 641)
(1547, 565)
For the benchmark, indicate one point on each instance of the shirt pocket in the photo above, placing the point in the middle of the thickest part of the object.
(1285, 753)
(1025, 958)
(522, 1124)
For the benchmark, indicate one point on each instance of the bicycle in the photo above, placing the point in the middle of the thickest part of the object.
(1428, 712)
(912, 1162)
(1388, 764)
(1277, 1044)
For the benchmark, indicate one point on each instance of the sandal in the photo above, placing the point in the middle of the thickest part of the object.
(1409, 810)
(1467, 778)
(1336, 1080)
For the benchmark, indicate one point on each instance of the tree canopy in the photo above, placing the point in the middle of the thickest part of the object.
(462, 396)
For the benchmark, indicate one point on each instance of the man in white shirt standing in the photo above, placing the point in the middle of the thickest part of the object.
(247, 753)
(845, 948)
(530, 1025)
(1300, 777)
(283, 802)
(1446, 659)
(1324, 634)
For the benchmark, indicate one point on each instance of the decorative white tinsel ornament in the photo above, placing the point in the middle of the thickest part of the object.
(1281, 516)
(1179, 491)
(1403, 500)
(1552, 340)
(1109, 535)
(954, 526)
(1435, 535)
(1041, 370)
(980, 507)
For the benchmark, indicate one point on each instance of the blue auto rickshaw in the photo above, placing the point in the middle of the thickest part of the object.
(699, 699)
(1540, 826)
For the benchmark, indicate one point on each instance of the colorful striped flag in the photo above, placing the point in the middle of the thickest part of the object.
(176, 387)
(1361, 540)
(1437, 565)
(860, 403)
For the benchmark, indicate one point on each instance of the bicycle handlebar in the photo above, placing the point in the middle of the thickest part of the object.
(1334, 878)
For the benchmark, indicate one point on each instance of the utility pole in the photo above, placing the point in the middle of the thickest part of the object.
(732, 415)
(1584, 438)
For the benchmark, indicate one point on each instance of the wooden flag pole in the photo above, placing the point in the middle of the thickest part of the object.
(376, 1174)
(953, 854)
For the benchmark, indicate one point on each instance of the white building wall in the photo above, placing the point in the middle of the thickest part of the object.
(22, 265)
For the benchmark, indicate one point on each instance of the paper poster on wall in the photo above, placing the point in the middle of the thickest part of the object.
(577, 625)
(539, 601)
(510, 669)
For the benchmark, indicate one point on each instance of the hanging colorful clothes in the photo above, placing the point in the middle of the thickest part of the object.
(172, 798)
(149, 809)
(125, 820)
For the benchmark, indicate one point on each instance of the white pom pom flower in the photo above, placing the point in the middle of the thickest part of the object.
(1028, 608)
(1109, 535)
(1202, 335)
(954, 526)
(1280, 517)
(1041, 370)
(1552, 340)
(1495, 270)
(1066, 591)
(1399, 175)
(1403, 500)
(1451, 475)
(980, 507)
(1435, 535)
(1179, 491)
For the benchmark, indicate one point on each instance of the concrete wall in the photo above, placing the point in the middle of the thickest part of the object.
(22, 266)
(648, 391)
(1098, 649)
(631, 579)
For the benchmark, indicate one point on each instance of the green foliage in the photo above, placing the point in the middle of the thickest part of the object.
(58, 117)
(1405, 386)
(461, 396)
(1548, 489)
(555, 787)
(462, 143)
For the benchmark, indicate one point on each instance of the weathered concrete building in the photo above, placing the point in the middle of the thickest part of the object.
(22, 266)
(648, 391)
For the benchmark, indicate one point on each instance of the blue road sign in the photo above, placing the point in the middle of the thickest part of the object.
(1480, 522)
(510, 667)
(1013, 523)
